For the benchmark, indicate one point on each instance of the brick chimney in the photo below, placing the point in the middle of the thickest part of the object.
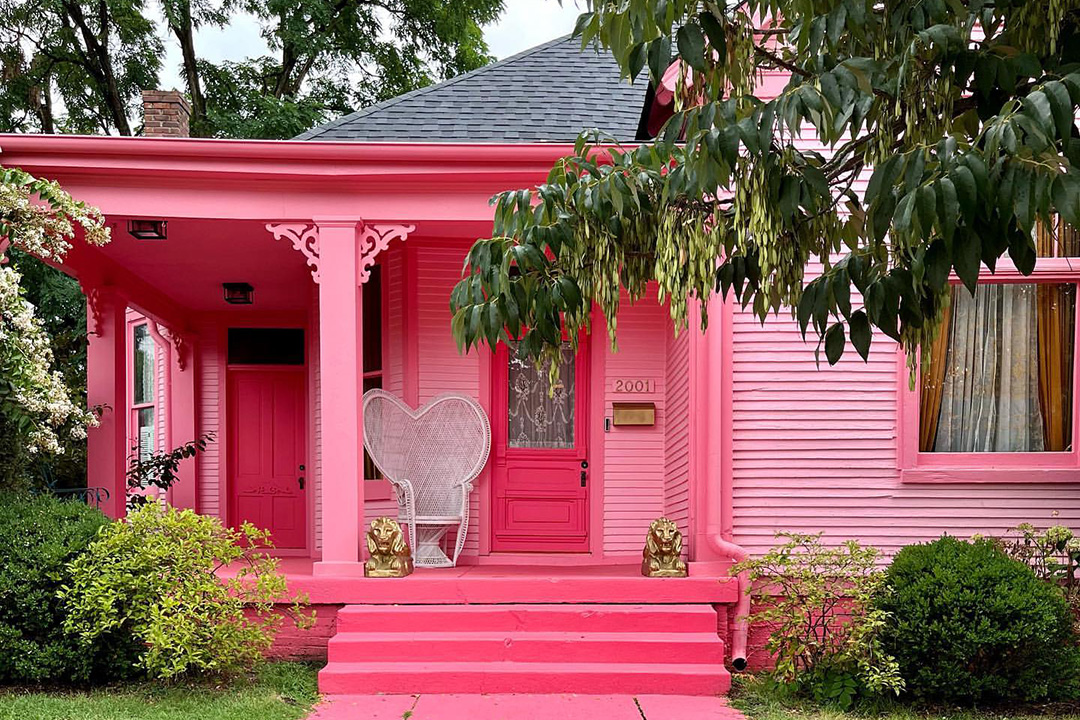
(165, 113)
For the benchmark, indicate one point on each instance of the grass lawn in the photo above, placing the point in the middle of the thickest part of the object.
(279, 691)
(758, 703)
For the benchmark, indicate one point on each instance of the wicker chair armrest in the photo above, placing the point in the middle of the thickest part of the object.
(406, 495)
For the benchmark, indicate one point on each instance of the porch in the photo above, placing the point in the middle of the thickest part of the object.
(515, 584)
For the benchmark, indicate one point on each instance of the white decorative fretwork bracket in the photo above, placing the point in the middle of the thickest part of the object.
(376, 238)
(304, 238)
(373, 240)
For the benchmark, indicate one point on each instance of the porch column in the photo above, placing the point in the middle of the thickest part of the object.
(341, 383)
(106, 386)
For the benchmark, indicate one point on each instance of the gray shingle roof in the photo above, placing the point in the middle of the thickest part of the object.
(549, 93)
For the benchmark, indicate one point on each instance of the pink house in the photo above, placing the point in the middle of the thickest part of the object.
(255, 289)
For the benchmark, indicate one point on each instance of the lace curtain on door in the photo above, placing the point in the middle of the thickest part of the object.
(539, 418)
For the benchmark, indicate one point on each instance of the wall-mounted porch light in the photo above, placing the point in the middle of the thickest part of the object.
(148, 229)
(238, 293)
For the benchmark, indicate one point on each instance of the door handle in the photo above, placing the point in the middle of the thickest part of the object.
(584, 477)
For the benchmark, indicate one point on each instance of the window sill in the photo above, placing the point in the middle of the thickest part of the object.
(945, 475)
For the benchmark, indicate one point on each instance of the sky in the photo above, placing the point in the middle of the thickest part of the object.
(523, 24)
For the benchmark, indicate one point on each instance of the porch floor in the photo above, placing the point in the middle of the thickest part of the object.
(493, 584)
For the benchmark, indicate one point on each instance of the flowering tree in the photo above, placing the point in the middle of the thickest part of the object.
(963, 109)
(36, 407)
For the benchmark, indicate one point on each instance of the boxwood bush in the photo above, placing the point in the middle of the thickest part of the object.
(969, 624)
(39, 537)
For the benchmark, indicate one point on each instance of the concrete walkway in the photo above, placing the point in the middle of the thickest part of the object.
(524, 707)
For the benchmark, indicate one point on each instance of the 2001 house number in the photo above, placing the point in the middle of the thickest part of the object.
(635, 386)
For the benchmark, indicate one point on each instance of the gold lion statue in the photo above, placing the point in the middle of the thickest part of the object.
(388, 553)
(663, 546)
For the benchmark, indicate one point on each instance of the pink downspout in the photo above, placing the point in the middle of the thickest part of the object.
(719, 517)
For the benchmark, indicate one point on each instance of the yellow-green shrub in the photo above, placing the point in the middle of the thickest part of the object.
(155, 576)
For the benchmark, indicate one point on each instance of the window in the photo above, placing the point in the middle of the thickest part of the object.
(266, 346)
(996, 397)
(372, 340)
(143, 392)
(1000, 376)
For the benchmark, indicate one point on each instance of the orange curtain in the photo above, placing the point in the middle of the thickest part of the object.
(933, 383)
(1056, 314)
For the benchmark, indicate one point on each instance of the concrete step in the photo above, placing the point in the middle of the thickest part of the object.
(533, 618)
(525, 646)
(515, 677)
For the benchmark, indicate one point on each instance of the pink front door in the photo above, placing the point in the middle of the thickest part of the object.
(540, 478)
(267, 459)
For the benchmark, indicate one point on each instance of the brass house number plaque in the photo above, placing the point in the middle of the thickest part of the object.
(634, 385)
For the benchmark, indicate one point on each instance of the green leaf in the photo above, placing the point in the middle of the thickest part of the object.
(913, 170)
(967, 194)
(659, 57)
(1022, 252)
(1061, 107)
(715, 32)
(882, 214)
(637, 60)
(1066, 195)
(927, 206)
(806, 307)
(950, 206)
(859, 332)
(1037, 106)
(834, 343)
(967, 252)
(938, 264)
(1022, 200)
(691, 44)
(841, 287)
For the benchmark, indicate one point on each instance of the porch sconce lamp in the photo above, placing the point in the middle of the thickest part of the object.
(238, 293)
(148, 229)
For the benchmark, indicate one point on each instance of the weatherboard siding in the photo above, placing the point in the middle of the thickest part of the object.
(814, 449)
(634, 457)
(677, 433)
(209, 379)
(441, 368)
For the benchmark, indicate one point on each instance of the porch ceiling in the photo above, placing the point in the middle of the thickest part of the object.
(199, 255)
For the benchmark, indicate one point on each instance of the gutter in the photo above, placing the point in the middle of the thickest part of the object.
(718, 495)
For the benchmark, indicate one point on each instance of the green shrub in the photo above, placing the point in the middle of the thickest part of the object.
(969, 624)
(39, 536)
(1053, 555)
(818, 601)
(155, 577)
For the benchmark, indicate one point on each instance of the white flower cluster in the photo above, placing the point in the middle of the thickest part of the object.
(38, 217)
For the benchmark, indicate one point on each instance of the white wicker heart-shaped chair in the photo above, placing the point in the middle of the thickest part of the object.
(431, 456)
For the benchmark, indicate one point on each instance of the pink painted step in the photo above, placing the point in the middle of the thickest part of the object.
(590, 649)
(527, 647)
(534, 618)
(611, 678)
